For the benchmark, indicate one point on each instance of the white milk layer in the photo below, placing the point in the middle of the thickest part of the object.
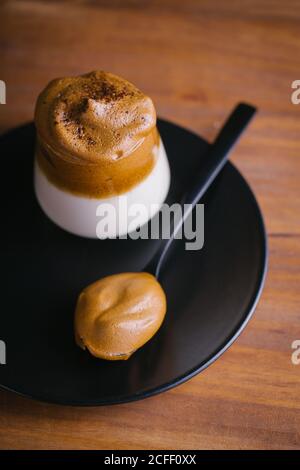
(106, 217)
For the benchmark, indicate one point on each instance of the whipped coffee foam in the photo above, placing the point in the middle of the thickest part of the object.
(96, 134)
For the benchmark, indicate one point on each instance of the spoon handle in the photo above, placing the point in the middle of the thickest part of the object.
(214, 160)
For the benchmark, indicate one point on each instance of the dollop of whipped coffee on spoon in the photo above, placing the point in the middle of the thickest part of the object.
(118, 314)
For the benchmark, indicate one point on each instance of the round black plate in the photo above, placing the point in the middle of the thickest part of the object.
(211, 293)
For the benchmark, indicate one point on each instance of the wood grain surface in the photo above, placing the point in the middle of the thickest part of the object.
(196, 59)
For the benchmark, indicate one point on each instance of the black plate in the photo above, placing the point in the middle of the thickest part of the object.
(211, 293)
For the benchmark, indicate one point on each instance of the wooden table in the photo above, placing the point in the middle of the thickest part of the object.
(196, 59)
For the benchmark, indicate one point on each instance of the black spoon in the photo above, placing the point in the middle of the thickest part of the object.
(214, 162)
